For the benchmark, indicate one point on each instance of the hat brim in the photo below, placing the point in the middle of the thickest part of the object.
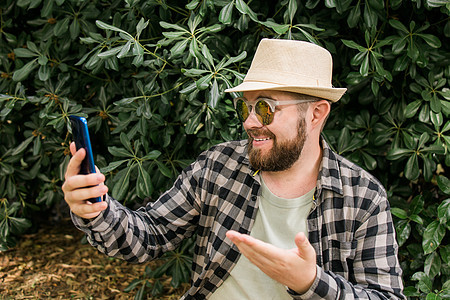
(332, 94)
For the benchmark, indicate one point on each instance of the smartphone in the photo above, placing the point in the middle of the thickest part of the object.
(80, 135)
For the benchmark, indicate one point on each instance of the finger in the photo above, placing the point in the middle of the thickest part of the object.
(257, 251)
(73, 168)
(89, 210)
(305, 249)
(73, 148)
(78, 196)
(83, 181)
(234, 236)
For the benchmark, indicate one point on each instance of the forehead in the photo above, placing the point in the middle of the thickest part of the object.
(276, 95)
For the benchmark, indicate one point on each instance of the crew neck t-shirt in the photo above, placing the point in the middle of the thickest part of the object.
(277, 222)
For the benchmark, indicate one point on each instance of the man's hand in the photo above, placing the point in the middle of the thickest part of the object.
(79, 188)
(294, 268)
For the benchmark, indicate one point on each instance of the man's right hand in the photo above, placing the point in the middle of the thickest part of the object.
(78, 189)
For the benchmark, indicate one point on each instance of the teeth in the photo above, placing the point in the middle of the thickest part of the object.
(260, 140)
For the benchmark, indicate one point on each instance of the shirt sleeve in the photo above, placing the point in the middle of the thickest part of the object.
(145, 234)
(376, 269)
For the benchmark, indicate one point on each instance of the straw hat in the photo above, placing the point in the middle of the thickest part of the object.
(292, 66)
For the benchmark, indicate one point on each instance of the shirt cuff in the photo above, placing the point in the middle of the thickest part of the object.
(100, 223)
(321, 288)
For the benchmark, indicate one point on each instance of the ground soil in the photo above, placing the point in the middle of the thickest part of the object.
(53, 264)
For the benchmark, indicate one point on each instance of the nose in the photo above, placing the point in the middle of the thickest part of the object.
(252, 121)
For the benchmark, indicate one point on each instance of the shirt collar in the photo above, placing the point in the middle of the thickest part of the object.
(329, 175)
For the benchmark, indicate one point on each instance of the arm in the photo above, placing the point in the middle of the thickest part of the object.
(377, 273)
(132, 235)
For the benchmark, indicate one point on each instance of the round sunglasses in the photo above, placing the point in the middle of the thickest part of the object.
(264, 108)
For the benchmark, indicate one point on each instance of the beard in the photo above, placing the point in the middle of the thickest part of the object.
(282, 155)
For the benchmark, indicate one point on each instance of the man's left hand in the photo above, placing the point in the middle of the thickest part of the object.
(294, 268)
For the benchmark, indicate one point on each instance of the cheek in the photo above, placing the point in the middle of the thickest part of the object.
(286, 130)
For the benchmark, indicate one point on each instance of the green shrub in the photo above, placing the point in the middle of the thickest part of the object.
(150, 75)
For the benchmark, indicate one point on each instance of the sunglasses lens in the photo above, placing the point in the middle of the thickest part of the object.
(242, 110)
(263, 112)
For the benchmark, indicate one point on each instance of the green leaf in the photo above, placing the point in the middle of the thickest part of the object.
(119, 152)
(136, 282)
(179, 47)
(19, 225)
(111, 52)
(192, 5)
(112, 166)
(244, 9)
(432, 236)
(163, 169)
(126, 142)
(445, 253)
(399, 213)
(412, 108)
(354, 15)
(172, 26)
(120, 188)
(431, 40)
(397, 153)
(203, 83)
(152, 155)
(23, 72)
(74, 29)
(292, 9)
(23, 146)
(141, 26)
(364, 69)
(226, 13)
(417, 205)
(125, 49)
(144, 183)
(432, 265)
(207, 55)
(24, 52)
(233, 60)
(103, 25)
(353, 45)
(437, 119)
(61, 27)
(444, 184)
(214, 94)
(44, 73)
(417, 219)
(444, 211)
(425, 284)
(412, 171)
(403, 229)
(398, 25)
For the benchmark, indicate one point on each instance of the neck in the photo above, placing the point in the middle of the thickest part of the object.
(301, 177)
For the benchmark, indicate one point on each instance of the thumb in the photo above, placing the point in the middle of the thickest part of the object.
(304, 247)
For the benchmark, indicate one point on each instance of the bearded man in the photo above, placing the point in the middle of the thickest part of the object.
(277, 216)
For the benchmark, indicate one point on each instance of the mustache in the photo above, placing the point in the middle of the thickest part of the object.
(260, 131)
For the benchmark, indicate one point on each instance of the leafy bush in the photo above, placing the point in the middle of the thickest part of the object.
(150, 77)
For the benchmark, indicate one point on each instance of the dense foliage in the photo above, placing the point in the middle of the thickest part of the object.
(150, 75)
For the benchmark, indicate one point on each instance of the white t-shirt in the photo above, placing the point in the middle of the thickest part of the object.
(277, 222)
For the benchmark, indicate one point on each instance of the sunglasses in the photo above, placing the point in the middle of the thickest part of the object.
(264, 108)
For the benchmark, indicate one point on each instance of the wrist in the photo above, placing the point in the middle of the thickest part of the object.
(306, 281)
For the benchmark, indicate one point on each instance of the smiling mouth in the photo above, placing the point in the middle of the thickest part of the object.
(260, 140)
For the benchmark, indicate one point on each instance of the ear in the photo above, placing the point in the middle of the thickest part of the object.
(320, 111)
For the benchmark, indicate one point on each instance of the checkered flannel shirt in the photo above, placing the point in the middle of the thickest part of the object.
(350, 225)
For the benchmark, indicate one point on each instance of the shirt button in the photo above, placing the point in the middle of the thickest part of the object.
(254, 198)
(220, 273)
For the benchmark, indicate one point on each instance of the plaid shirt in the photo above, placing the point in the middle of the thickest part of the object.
(350, 225)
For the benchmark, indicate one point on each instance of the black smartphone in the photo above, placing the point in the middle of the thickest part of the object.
(80, 135)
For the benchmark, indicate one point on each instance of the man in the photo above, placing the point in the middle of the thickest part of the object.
(309, 223)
